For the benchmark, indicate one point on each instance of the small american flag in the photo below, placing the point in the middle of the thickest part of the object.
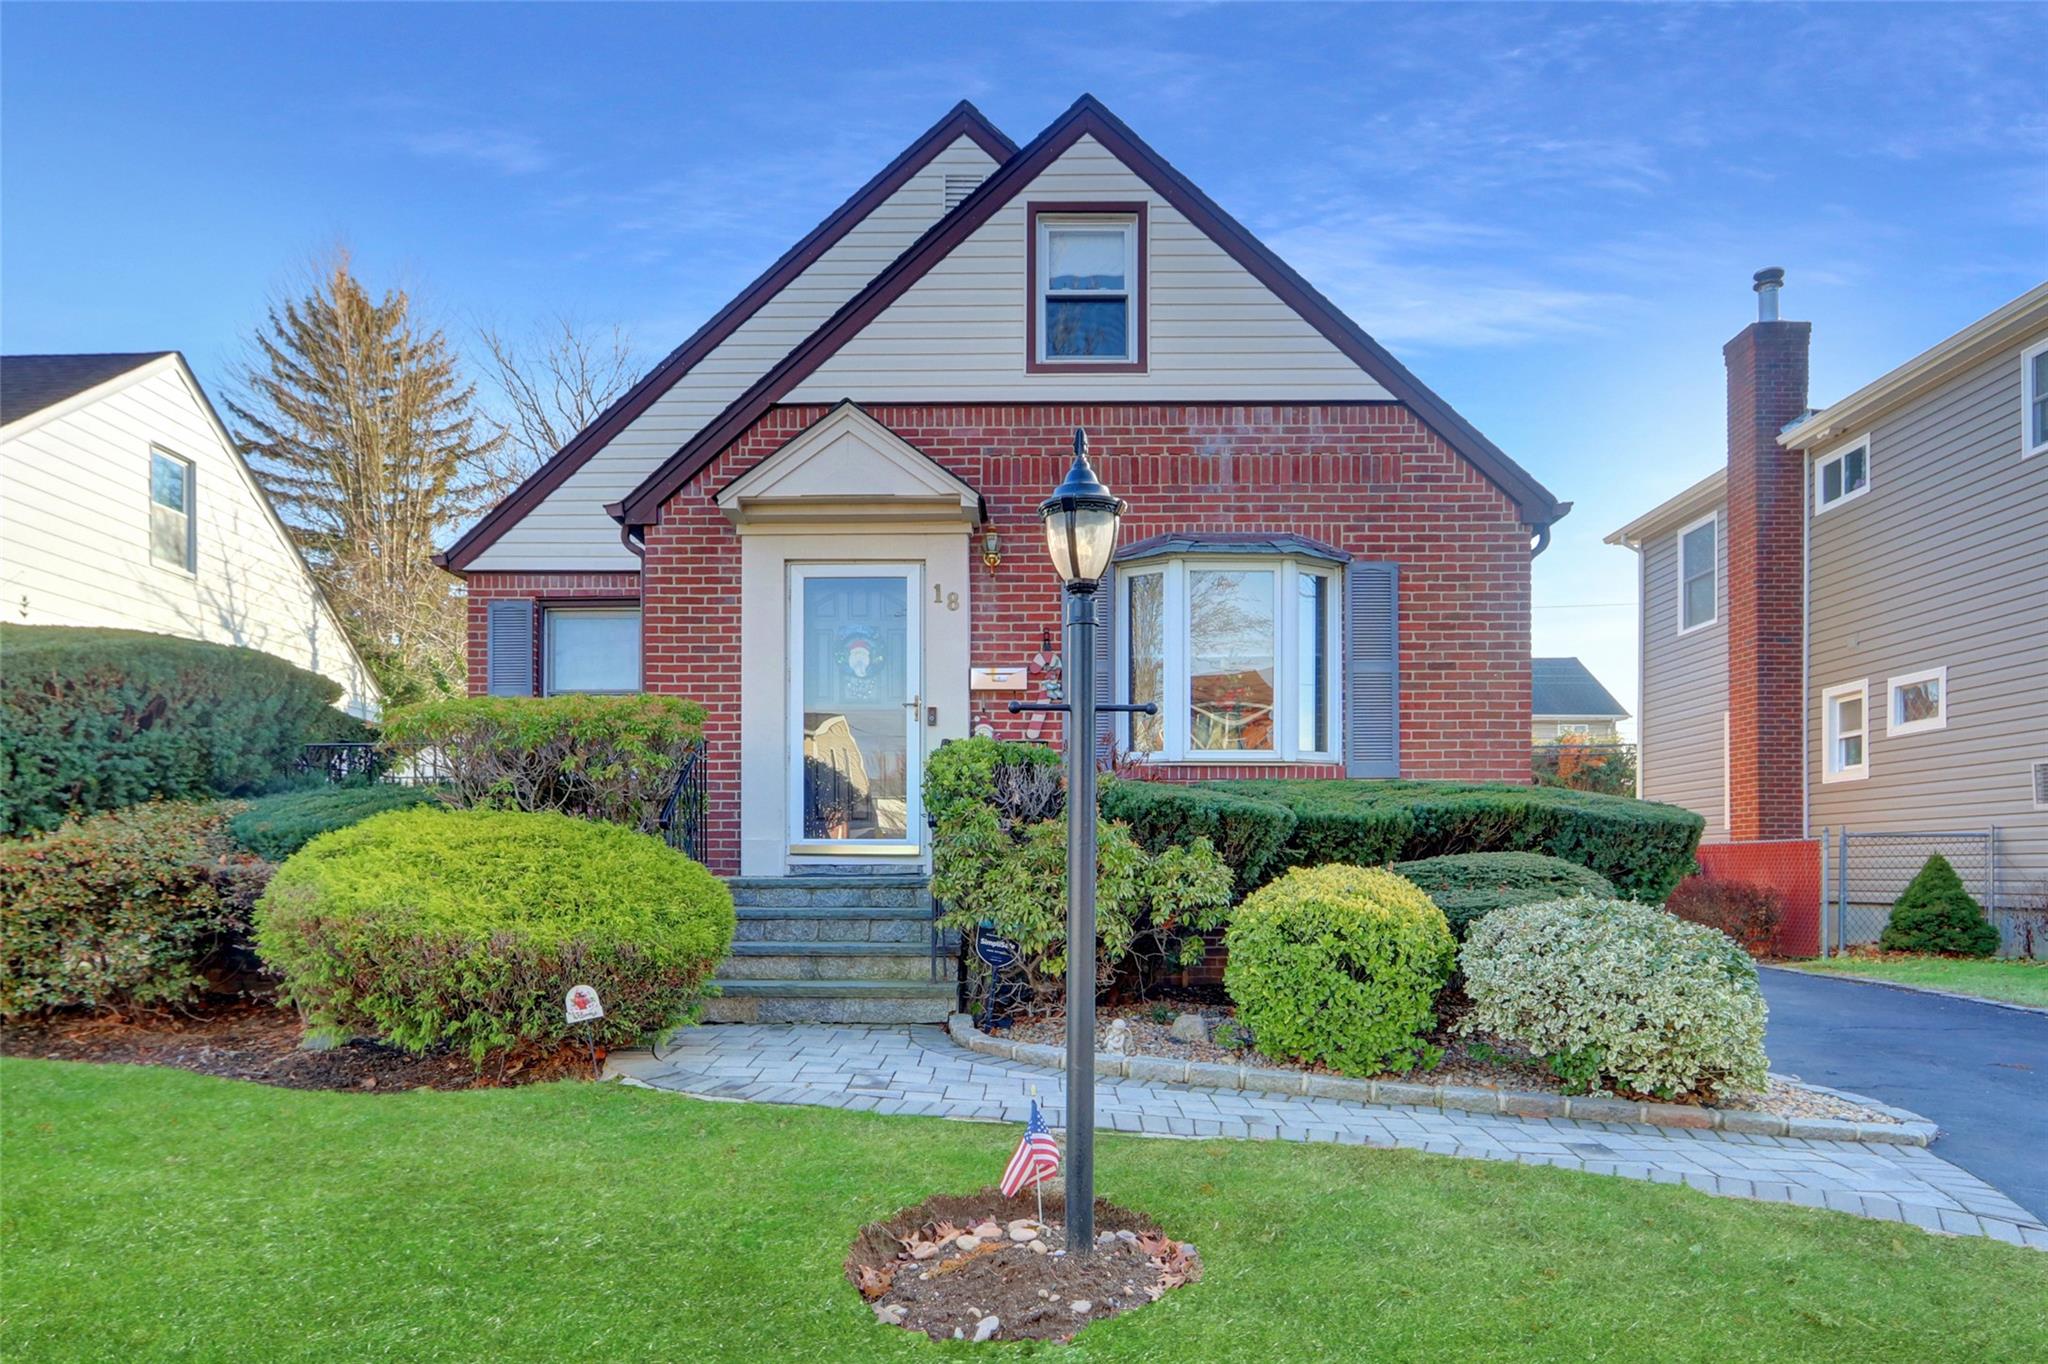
(1037, 1158)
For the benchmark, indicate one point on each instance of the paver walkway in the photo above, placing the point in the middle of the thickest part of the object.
(919, 1071)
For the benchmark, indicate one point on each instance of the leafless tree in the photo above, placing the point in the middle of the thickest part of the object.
(554, 381)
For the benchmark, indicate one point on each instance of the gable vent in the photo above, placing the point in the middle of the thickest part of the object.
(2041, 786)
(958, 187)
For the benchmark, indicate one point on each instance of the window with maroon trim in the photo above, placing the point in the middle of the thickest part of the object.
(1086, 312)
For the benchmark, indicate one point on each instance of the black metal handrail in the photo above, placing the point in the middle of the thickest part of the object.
(342, 762)
(683, 814)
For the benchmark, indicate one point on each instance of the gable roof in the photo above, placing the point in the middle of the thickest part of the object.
(1563, 686)
(962, 120)
(1087, 117)
(30, 383)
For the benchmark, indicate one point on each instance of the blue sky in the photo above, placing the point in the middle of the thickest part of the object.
(1550, 214)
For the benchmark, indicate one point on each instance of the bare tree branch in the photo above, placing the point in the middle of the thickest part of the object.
(554, 381)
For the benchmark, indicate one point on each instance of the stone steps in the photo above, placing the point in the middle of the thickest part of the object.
(832, 949)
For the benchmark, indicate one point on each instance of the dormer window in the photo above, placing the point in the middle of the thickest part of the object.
(1087, 280)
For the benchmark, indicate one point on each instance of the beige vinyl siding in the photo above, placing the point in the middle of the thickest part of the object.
(569, 530)
(1683, 753)
(1943, 562)
(74, 533)
(1215, 332)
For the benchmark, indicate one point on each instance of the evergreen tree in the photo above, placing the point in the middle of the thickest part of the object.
(360, 426)
(1936, 914)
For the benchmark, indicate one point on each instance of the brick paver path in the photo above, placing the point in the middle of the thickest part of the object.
(919, 1071)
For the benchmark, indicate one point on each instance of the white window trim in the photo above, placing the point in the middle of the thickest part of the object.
(1175, 746)
(1678, 573)
(1893, 727)
(189, 566)
(1829, 772)
(549, 611)
(1127, 223)
(2027, 396)
(1836, 456)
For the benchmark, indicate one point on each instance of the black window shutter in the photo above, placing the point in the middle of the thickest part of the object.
(1105, 663)
(508, 646)
(1372, 685)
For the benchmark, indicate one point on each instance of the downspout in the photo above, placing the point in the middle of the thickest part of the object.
(637, 548)
(1542, 540)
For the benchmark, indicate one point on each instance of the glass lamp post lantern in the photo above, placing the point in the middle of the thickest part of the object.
(1081, 519)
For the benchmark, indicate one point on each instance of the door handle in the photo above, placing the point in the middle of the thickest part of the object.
(914, 702)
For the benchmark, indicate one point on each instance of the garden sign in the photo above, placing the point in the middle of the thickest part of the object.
(582, 1004)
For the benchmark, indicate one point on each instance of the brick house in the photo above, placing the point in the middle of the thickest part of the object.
(818, 515)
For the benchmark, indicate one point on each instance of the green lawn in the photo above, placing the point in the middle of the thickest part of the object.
(154, 1214)
(2017, 982)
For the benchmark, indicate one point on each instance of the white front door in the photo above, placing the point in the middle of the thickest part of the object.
(856, 710)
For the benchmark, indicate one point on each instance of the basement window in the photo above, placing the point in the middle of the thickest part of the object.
(1845, 729)
(1087, 281)
(1841, 476)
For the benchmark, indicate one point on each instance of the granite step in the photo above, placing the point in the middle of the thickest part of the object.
(758, 924)
(831, 892)
(832, 960)
(830, 1001)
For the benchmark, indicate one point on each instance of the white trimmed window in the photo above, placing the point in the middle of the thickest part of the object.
(2034, 400)
(590, 649)
(1916, 702)
(171, 541)
(1240, 654)
(1699, 558)
(1845, 731)
(1086, 296)
(1842, 476)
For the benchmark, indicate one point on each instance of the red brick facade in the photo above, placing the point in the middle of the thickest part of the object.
(1368, 478)
(1765, 547)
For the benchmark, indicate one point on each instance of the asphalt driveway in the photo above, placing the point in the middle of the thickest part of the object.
(1979, 1071)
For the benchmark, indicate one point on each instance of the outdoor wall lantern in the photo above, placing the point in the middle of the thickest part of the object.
(1081, 519)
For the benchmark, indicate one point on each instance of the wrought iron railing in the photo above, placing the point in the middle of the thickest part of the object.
(684, 813)
(340, 763)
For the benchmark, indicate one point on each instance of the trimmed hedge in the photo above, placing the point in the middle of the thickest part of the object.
(465, 928)
(964, 773)
(1936, 914)
(1643, 848)
(99, 719)
(121, 908)
(277, 826)
(1469, 886)
(1339, 966)
(1246, 831)
(1611, 993)
(611, 758)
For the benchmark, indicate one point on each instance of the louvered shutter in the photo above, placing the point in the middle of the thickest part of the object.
(1372, 684)
(508, 645)
(1105, 662)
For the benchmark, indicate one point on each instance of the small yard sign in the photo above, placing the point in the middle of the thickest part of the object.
(582, 1004)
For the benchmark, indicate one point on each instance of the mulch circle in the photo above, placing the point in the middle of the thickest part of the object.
(982, 1267)
(256, 1040)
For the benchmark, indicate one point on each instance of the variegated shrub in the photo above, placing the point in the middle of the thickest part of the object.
(1615, 994)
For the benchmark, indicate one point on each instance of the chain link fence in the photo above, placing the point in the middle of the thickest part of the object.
(1867, 871)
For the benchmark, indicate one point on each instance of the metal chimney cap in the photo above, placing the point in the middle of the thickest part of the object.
(1771, 277)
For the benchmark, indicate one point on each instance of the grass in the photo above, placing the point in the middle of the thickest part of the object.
(159, 1215)
(2016, 982)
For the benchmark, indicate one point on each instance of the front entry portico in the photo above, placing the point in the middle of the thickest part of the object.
(854, 612)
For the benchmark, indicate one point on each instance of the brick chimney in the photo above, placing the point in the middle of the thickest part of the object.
(1764, 540)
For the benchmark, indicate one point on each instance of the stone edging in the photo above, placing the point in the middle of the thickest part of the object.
(1910, 1130)
(2006, 1004)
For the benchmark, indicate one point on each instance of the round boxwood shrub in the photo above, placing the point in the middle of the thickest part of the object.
(1469, 886)
(1339, 965)
(1615, 994)
(465, 928)
(1936, 914)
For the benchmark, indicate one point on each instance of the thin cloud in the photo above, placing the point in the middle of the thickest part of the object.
(501, 150)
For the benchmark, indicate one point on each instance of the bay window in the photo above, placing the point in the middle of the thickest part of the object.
(1239, 654)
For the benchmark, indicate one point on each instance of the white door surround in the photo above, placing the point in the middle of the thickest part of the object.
(847, 498)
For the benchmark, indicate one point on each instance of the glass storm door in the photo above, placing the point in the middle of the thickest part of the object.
(856, 709)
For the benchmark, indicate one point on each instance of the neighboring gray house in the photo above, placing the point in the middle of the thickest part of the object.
(1566, 699)
(1847, 626)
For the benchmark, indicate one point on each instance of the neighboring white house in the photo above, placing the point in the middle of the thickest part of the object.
(124, 503)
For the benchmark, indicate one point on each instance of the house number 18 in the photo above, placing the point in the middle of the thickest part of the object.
(941, 597)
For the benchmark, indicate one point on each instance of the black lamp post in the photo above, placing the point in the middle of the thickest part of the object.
(1081, 520)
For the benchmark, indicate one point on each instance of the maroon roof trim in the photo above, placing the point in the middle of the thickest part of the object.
(1086, 117)
(962, 120)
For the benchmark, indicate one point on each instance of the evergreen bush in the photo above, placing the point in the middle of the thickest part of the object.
(1469, 886)
(1936, 914)
(275, 827)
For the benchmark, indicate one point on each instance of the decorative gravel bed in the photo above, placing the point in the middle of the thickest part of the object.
(1479, 1062)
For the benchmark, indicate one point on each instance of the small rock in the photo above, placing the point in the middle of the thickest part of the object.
(967, 1241)
(1127, 1235)
(890, 1313)
(1023, 1229)
(1118, 1038)
(987, 1327)
(1081, 1307)
(987, 1231)
(1189, 1028)
(1037, 1247)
